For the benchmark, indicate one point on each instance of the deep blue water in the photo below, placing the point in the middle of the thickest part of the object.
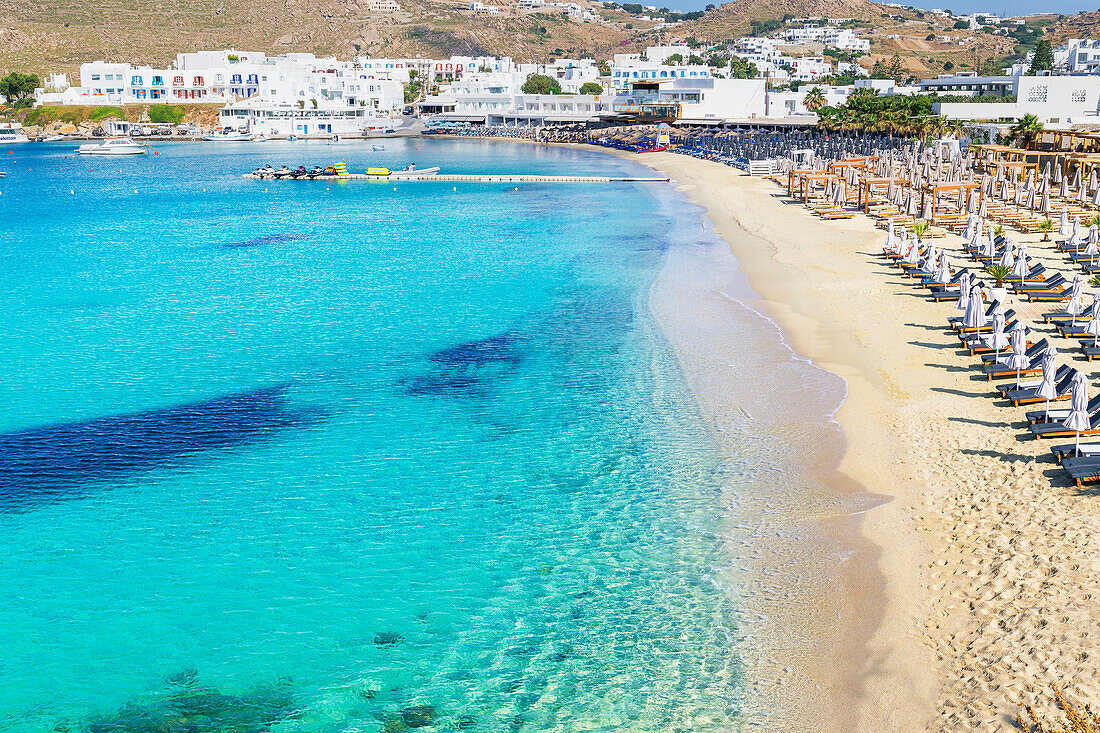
(308, 456)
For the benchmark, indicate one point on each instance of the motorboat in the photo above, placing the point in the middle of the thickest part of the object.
(12, 132)
(112, 146)
(266, 172)
(53, 138)
(411, 171)
(378, 148)
(229, 135)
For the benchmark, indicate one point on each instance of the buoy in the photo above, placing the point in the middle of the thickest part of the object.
(135, 190)
(72, 191)
(454, 188)
(204, 190)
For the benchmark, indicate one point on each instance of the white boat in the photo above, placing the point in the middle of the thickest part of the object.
(12, 132)
(411, 171)
(112, 146)
(53, 138)
(377, 148)
(229, 135)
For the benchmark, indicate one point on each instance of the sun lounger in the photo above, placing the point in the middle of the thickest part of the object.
(1082, 469)
(1056, 282)
(1063, 317)
(1035, 417)
(1068, 450)
(1001, 371)
(1026, 395)
(1058, 430)
(1031, 351)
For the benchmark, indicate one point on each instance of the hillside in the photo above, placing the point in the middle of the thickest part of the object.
(58, 36)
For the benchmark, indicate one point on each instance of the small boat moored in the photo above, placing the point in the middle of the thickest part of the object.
(112, 146)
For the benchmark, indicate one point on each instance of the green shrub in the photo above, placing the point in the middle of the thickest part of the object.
(101, 113)
(166, 113)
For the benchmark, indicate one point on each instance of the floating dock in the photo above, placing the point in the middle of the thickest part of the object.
(471, 178)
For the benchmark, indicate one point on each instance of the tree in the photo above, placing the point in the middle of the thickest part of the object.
(743, 69)
(815, 99)
(16, 86)
(961, 25)
(541, 84)
(675, 58)
(604, 68)
(591, 87)
(710, 7)
(1026, 130)
(1043, 60)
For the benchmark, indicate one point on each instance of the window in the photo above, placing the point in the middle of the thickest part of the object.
(1037, 93)
(198, 81)
(158, 81)
(95, 77)
(177, 81)
(235, 79)
(135, 81)
(1078, 96)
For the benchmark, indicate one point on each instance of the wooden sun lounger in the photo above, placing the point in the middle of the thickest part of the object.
(1082, 469)
(1058, 430)
(1067, 450)
(1034, 417)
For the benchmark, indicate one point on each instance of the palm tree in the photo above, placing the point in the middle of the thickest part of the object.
(998, 273)
(1027, 130)
(1046, 227)
(815, 99)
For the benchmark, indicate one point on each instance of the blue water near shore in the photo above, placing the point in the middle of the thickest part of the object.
(307, 456)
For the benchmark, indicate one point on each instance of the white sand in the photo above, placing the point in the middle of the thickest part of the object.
(989, 567)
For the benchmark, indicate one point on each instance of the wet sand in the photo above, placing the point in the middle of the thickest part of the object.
(974, 588)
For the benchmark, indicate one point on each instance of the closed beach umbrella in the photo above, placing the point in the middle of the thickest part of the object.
(930, 260)
(1093, 249)
(1093, 326)
(975, 315)
(1044, 203)
(1063, 224)
(998, 339)
(1047, 389)
(964, 293)
(1018, 358)
(1063, 187)
(1093, 180)
(1008, 259)
(1019, 269)
(928, 209)
(1078, 420)
(961, 202)
(944, 274)
(891, 243)
(1075, 230)
(1076, 306)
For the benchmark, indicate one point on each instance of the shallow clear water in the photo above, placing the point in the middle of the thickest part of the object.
(317, 456)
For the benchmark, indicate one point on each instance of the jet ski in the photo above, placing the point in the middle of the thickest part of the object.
(266, 172)
(300, 172)
(283, 172)
(316, 171)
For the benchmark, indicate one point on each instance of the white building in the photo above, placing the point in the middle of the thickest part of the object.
(695, 100)
(282, 119)
(793, 104)
(535, 110)
(1053, 99)
(629, 68)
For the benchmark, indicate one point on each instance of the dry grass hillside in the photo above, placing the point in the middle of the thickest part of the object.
(40, 37)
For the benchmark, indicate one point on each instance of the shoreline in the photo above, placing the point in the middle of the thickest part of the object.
(984, 553)
(824, 611)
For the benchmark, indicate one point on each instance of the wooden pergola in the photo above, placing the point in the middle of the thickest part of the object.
(808, 182)
(862, 163)
(1074, 141)
(867, 188)
(991, 157)
(939, 189)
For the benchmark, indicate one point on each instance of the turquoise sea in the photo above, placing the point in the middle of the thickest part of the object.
(307, 456)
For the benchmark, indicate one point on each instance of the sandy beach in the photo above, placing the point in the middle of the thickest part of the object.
(973, 589)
